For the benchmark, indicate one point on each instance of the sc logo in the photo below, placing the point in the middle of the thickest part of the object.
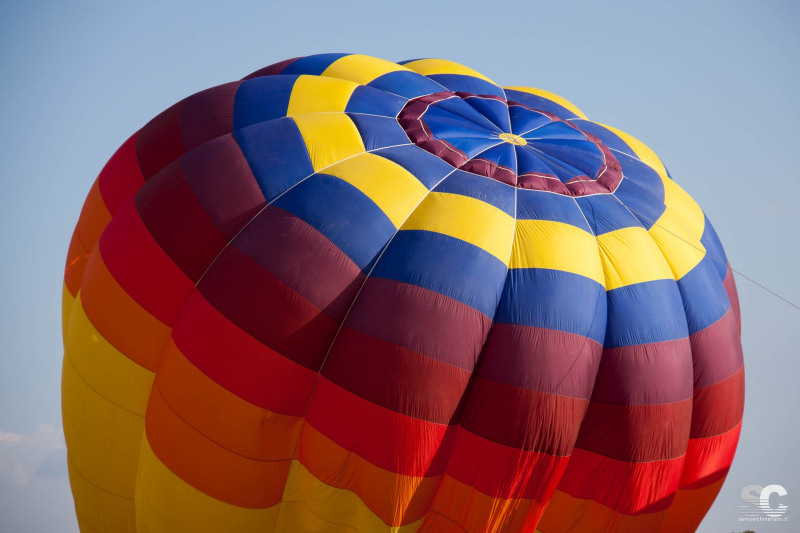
(758, 500)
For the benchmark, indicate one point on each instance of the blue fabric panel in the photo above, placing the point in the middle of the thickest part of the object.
(609, 138)
(444, 124)
(641, 202)
(581, 155)
(314, 64)
(467, 84)
(502, 154)
(646, 312)
(460, 108)
(714, 249)
(494, 110)
(704, 298)
(531, 161)
(643, 175)
(554, 299)
(543, 205)
(562, 170)
(482, 188)
(524, 121)
(444, 264)
(537, 102)
(374, 102)
(428, 168)
(379, 132)
(604, 213)
(262, 99)
(284, 164)
(557, 130)
(472, 146)
(406, 84)
(345, 215)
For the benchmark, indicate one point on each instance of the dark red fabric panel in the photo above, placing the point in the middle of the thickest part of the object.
(523, 418)
(718, 408)
(239, 362)
(266, 308)
(659, 372)
(304, 259)
(120, 178)
(141, 267)
(500, 471)
(540, 359)
(629, 488)
(383, 437)
(733, 296)
(159, 142)
(275, 68)
(221, 179)
(717, 351)
(208, 114)
(421, 320)
(637, 432)
(178, 222)
(396, 378)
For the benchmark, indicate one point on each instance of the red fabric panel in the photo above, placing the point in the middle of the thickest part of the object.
(304, 259)
(207, 114)
(121, 177)
(178, 222)
(718, 408)
(522, 418)
(500, 471)
(717, 351)
(387, 439)
(221, 179)
(267, 308)
(396, 378)
(142, 268)
(709, 459)
(159, 142)
(239, 362)
(626, 487)
(637, 432)
(420, 320)
(541, 359)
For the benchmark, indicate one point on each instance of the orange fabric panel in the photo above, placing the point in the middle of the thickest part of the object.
(222, 416)
(397, 499)
(690, 507)
(471, 510)
(207, 466)
(77, 257)
(119, 319)
(574, 515)
(93, 220)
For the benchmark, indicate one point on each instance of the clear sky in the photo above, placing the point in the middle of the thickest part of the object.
(711, 86)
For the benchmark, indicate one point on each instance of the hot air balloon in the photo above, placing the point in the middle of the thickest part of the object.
(346, 294)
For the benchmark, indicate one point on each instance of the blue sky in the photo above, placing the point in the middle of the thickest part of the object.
(710, 86)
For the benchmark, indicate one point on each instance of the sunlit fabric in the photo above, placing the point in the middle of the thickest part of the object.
(345, 294)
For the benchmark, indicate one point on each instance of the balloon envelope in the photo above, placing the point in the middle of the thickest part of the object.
(348, 294)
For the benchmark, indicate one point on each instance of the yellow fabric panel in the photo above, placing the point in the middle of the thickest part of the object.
(467, 219)
(557, 246)
(164, 502)
(428, 67)
(315, 94)
(108, 372)
(103, 468)
(312, 506)
(360, 68)
(553, 97)
(98, 509)
(99, 420)
(630, 256)
(329, 138)
(678, 231)
(67, 301)
(394, 189)
(645, 154)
